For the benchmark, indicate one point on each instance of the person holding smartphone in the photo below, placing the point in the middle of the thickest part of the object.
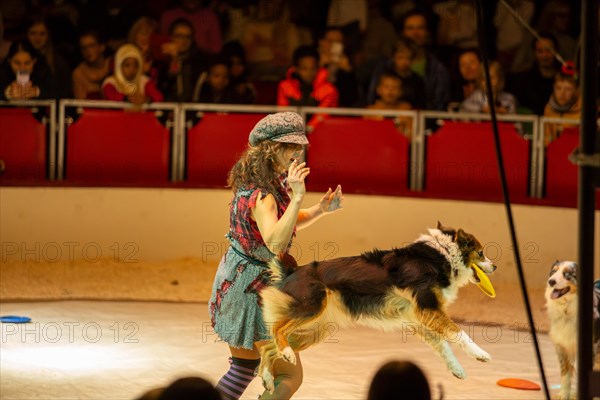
(25, 75)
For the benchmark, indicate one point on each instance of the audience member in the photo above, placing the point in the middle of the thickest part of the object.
(213, 84)
(389, 93)
(390, 97)
(187, 62)
(351, 16)
(377, 44)
(534, 86)
(399, 380)
(204, 22)
(465, 72)
(555, 18)
(128, 83)
(457, 26)
(339, 69)
(144, 34)
(564, 102)
(190, 388)
(413, 88)
(4, 44)
(270, 37)
(152, 394)
(434, 74)
(510, 32)
(113, 18)
(505, 103)
(306, 84)
(243, 90)
(399, 8)
(25, 75)
(88, 76)
(39, 37)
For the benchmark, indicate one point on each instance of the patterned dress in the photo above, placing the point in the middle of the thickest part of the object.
(235, 304)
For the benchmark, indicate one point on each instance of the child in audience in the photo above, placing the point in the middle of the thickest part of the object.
(128, 83)
(24, 74)
(564, 102)
(413, 87)
(39, 36)
(244, 91)
(306, 84)
(389, 91)
(478, 101)
(213, 85)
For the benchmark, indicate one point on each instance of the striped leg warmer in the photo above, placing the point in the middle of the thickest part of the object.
(237, 379)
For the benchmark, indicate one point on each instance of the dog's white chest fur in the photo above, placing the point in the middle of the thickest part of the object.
(461, 273)
(563, 331)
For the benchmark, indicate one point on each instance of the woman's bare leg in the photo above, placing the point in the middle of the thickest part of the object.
(287, 379)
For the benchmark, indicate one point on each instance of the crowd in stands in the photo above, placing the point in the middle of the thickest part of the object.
(380, 54)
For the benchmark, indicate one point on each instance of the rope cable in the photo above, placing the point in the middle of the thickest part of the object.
(505, 193)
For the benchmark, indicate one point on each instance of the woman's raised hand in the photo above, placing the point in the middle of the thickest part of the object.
(297, 172)
(332, 200)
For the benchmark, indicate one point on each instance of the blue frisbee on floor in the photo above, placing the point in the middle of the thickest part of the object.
(14, 319)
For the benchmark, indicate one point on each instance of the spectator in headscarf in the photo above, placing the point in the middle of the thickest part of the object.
(128, 82)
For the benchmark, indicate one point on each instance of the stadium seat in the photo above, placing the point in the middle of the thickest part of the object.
(460, 162)
(22, 147)
(117, 148)
(213, 146)
(561, 175)
(364, 156)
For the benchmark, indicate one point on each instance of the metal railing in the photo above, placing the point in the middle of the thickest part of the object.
(58, 120)
(541, 148)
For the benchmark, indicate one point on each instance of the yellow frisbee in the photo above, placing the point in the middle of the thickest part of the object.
(484, 282)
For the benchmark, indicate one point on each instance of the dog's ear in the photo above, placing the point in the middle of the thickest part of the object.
(463, 239)
(446, 230)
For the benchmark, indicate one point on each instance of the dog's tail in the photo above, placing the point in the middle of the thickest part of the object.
(280, 267)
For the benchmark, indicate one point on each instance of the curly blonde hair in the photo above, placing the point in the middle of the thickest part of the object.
(257, 167)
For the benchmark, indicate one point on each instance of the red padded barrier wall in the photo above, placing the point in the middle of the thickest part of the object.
(106, 147)
(364, 156)
(562, 175)
(461, 162)
(214, 145)
(22, 147)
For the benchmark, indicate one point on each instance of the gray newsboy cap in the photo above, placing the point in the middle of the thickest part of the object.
(286, 127)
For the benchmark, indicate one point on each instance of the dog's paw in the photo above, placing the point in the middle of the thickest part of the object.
(477, 353)
(288, 355)
(267, 381)
(565, 395)
(458, 371)
(482, 356)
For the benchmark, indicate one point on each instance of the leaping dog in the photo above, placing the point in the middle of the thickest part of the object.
(404, 288)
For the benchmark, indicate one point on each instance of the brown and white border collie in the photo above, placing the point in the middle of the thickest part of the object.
(561, 305)
(404, 288)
